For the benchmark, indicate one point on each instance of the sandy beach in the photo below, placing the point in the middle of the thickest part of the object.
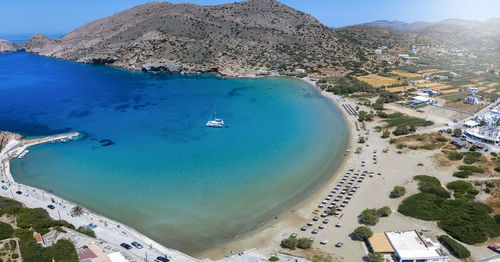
(374, 192)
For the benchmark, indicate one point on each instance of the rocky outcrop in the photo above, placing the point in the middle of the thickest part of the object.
(5, 137)
(36, 44)
(243, 37)
(6, 46)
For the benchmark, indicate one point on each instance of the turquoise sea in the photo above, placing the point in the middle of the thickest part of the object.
(187, 186)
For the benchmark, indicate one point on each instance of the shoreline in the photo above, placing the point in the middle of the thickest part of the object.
(288, 215)
(107, 229)
(164, 250)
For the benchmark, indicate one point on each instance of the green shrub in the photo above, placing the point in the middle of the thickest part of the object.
(455, 156)
(86, 230)
(13, 244)
(290, 243)
(497, 169)
(467, 221)
(369, 216)
(455, 248)
(487, 190)
(15, 255)
(441, 139)
(393, 140)
(6, 231)
(463, 174)
(398, 191)
(274, 258)
(494, 154)
(473, 169)
(428, 184)
(384, 211)
(363, 232)
(472, 157)
(490, 185)
(304, 243)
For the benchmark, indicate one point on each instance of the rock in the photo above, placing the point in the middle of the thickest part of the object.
(7, 46)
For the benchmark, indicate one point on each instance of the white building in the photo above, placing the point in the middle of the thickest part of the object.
(410, 246)
(486, 134)
(471, 100)
(471, 124)
(378, 51)
(404, 55)
(299, 70)
(472, 90)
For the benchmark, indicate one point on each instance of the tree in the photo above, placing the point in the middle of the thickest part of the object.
(304, 243)
(384, 211)
(331, 212)
(376, 257)
(77, 211)
(457, 132)
(290, 243)
(6, 231)
(361, 140)
(398, 191)
(386, 133)
(401, 130)
(363, 232)
(274, 258)
(369, 216)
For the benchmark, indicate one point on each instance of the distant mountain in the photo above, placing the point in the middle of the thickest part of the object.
(372, 37)
(233, 39)
(415, 26)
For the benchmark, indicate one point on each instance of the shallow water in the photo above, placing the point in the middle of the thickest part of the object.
(146, 158)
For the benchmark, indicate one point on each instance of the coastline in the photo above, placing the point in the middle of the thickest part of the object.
(130, 232)
(256, 239)
(108, 230)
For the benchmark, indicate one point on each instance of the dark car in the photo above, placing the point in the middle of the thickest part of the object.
(162, 259)
(125, 245)
(51, 206)
(19, 192)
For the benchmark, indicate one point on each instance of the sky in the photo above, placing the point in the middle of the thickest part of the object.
(62, 16)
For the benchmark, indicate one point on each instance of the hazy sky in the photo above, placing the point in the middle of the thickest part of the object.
(62, 16)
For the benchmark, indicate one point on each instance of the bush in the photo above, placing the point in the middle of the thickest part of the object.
(274, 258)
(86, 230)
(463, 174)
(384, 211)
(455, 156)
(401, 130)
(376, 257)
(497, 169)
(15, 255)
(462, 189)
(363, 232)
(494, 154)
(441, 139)
(369, 216)
(467, 221)
(455, 248)
(386, 133)
(471, 157)
(490, 185)
(13, 244)
(473, 169)
(304, 243)
(361, 140)
(393, 140)
(290, 243)
(6, 231)
(398, 191)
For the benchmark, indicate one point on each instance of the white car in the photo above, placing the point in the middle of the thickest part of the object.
(324, 242)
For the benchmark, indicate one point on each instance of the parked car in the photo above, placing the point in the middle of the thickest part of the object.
(339, 244)
(92, 225)
(293, 235)
(494, 248)
(51, 206)
(312, 239)
(304, 228)
(315, 231)
(125, 245)
(338, 225)
(4, 187)
(162, 259)
(137, 245)
(19, 192)
(324, 242)
(316, 218)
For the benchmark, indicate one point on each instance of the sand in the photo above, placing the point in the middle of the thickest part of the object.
(396, 169)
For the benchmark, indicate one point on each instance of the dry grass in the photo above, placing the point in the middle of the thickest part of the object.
(432, 71)
(405, 74)
(378, 81)
(6, 251)
(465, 107)
(398, 88)
(492, 84)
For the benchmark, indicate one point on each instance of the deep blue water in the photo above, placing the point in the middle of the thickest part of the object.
(167, 175)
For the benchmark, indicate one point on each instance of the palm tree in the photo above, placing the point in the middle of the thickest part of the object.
(77, 211)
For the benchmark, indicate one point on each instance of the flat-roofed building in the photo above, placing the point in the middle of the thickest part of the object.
(410, 246)
(380, 244)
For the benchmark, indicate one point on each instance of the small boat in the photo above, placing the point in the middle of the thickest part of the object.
(63, 140)
(216, 122)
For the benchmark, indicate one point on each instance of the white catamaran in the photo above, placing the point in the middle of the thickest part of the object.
(216, 122)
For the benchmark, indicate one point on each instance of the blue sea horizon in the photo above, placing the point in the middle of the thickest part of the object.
(165, 174)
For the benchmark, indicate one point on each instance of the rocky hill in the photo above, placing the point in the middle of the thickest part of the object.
(6, 46)
(242, 38)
